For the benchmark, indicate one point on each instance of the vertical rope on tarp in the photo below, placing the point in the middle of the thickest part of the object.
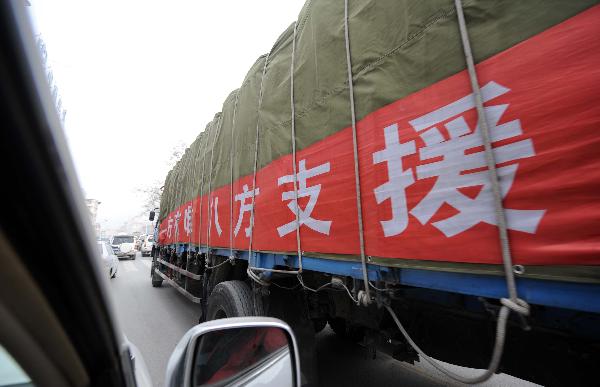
(178, 198)
(187, 258)
(260, 97)
(178, 195)
(513, 303)
(361, 238)
(202, 187)
(231, 152)
(251, 268)
(193, 205)
(294, 161)
(491, 163)
(210, 204)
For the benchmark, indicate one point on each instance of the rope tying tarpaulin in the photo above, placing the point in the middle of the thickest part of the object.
(366, 299)
(513, 303)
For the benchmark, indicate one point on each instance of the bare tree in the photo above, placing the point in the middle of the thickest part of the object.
(151, 193)
(176, 152)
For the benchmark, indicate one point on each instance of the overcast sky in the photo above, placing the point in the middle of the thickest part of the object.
(137, 78)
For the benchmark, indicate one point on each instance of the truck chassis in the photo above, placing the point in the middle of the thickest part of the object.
(451, 315)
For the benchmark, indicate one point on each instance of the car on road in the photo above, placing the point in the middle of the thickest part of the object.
(57, 324)
(109, 259)
(138, 242)
(146, 245)
(124, 246)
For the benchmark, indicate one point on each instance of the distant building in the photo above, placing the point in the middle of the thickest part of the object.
(92, 205)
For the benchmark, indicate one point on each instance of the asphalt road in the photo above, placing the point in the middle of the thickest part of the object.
(154, 319)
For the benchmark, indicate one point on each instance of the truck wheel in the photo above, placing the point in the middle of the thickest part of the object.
(157, 283)
(230, 299)
(156, 279)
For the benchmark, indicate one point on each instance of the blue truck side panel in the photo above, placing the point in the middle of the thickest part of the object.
(567, 295)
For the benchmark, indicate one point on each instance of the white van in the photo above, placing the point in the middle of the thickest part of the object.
(124, 246)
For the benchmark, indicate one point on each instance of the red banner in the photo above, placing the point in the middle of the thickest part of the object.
(424, 183)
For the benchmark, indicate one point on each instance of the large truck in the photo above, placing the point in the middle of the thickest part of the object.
(423, 176)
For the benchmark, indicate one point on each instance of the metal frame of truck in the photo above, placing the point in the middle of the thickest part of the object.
(565, 329)
(571, 295)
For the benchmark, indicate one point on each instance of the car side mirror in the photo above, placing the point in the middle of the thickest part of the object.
(236, 351)
(151, 217)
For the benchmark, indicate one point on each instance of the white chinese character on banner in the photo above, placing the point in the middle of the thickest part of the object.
(399, 179)
(215, 205)
(304, 215)
(169, 227)
(177, 217)
(244, 207)
(458, 162)
(187, 219)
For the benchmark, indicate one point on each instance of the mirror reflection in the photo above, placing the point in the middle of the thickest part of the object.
(242, 354)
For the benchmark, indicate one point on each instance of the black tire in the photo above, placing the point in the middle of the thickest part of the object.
(156, 279)
(230, 299)
(157, 283)
(194, 286)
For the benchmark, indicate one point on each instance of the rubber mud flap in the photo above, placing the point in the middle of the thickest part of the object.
(194, 286)
(345, 331)
(279, 302)
(156, 279)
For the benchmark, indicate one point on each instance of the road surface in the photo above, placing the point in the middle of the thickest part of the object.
(154, 319)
